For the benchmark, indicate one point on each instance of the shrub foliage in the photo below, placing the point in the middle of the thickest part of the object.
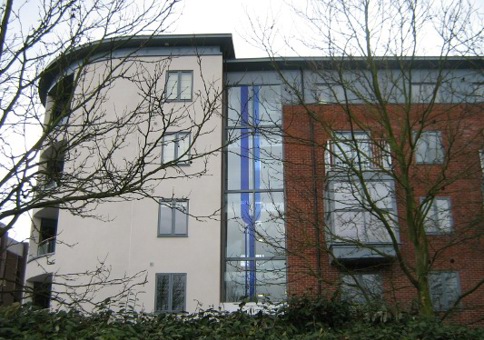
(302, 318)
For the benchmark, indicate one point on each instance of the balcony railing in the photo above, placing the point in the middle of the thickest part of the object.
(358, 154)
(46, 247)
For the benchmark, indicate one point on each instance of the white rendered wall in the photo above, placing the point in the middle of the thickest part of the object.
(126, 242)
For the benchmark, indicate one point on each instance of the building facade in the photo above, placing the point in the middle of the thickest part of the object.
(262, 165)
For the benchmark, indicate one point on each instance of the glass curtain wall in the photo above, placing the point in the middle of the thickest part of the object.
(255, 263)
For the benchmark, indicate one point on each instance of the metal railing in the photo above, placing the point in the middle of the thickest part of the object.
(46, 247)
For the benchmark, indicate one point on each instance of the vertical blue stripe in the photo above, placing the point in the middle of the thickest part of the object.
(244, 179)
(257, 202)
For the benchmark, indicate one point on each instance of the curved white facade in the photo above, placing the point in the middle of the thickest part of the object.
(123, 251)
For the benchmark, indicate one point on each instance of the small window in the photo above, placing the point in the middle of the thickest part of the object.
(429, 148)
(170, 292)
(47, 236)
(179, 85)
(61, 95)
(55, 169)
(176, 147)
(481, 158)
(424, 92)
(444, 289)
(173, 218)
(41, 294)
(362, 288)
(438, 219)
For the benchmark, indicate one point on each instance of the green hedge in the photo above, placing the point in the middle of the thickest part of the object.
(303, 318)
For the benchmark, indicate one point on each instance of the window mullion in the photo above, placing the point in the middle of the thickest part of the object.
(178, 85)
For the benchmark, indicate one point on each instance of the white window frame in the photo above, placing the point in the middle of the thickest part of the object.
(362, 288)
(179, 144)
(429, 142)
(438, 221)
(346, 151)
(174, 89)
(171, 278)
(444, 289)
(174, 207)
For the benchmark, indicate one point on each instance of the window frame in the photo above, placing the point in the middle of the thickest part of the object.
(436, 217)
(449, 295)
(175, 144)
(172, 204)
(421, 157)
(171, 277)
(178, 97)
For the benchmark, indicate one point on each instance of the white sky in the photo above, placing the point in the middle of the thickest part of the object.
(238, 17)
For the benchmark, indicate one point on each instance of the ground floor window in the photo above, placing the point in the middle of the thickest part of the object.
(257, 280)
(362, 288)
(41, 294)
(170, 292)
(444, 289)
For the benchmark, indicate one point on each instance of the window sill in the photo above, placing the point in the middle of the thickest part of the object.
(172, 236)
(36, 257)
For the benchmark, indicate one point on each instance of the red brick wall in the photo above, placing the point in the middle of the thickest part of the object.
(309, 264)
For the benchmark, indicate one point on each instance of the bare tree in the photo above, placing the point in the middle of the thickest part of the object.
(391, 141)
(71, 156)
(85, 147)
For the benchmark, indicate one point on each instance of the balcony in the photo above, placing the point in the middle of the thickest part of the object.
(46, 247)
(358, 154)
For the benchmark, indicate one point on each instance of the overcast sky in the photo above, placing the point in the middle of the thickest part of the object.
(242, 18)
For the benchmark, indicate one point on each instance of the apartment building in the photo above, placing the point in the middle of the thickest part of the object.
(258, 197)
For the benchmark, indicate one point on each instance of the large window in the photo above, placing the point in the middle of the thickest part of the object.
(438, 215)
(179, 85)
(429, 148)
(444, 289)
(362, 288)
(176, 147)
(170, 292)
(354, 216)
(255, 266)
(173, 218)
